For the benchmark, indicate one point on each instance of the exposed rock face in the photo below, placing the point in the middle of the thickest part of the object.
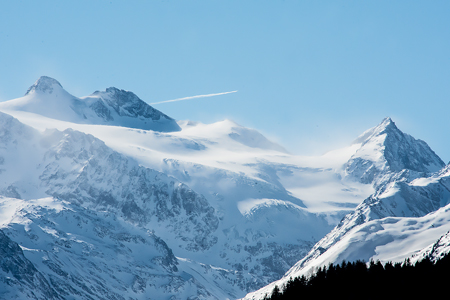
(79, 168)
(108, 192)
(435, 251)
(84, 254)
(119, 104)
(82, 169)
(19, 277)
(128, 104)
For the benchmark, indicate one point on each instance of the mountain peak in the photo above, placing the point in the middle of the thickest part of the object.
(386, 125)
(386, 121)
(119, 96)
(386, 148)
(119, 93)
(44, 84)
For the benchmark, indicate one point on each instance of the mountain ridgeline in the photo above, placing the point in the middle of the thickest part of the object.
(113, 107)
(105, 197)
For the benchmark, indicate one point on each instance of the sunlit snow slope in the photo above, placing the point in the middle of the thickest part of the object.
(407, 215)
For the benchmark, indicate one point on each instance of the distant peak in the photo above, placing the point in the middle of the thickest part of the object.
(44, 84)
(387, 125)
(386, 122)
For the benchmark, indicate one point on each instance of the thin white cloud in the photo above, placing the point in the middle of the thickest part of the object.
(193, 97)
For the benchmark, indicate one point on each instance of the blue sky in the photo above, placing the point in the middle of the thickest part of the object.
(311, 75)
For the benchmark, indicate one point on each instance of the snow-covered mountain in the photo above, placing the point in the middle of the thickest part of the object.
(386, 239)
(75, 252)
(47, 97)
(199, 210)
(79, 168)
(385, 149)
(76, 167)
(404, 217)
(239, 172)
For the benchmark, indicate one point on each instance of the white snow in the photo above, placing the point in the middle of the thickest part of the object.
(389, 239)
(267, 200)
(314, 180)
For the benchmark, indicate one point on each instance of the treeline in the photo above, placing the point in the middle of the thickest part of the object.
(356, 280)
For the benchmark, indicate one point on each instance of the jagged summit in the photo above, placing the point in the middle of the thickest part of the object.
(386, 125)
(387, 121)
(126, 103)
(44, 84)
(386, 148)
(118, 94)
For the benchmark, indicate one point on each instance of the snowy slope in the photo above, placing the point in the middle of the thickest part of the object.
(231, 131)
(86, 254)
(223, 197)
(389, 239)
(19, 279)
(117, 107)
(237, 170)
(407, 216)
(79, 168)
(434, 251)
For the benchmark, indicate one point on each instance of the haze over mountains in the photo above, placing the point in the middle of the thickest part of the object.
(105, 197)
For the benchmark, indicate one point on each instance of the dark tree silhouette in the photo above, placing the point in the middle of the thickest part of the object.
(356, 280)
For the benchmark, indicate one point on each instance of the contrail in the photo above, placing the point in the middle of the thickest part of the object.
(193, 97)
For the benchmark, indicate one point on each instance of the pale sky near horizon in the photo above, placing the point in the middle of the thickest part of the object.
(311, 75)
